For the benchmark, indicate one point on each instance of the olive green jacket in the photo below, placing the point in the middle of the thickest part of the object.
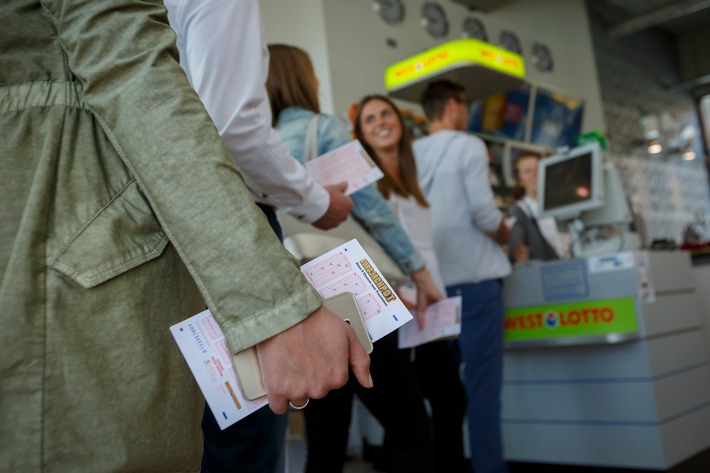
(121, 214)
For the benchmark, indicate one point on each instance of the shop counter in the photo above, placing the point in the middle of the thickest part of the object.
(605, 362)
(701, 274)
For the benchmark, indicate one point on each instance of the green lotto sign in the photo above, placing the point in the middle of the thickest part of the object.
(571, 319)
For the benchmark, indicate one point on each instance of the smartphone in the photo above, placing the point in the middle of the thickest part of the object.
(246, 363)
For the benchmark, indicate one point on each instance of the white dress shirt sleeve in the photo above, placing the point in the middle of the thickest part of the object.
(223, 52)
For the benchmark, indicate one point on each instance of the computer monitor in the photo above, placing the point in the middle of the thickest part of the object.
(571, 183)
(578, 187)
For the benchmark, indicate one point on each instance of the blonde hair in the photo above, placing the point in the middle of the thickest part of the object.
(407, 165)
(291, 81)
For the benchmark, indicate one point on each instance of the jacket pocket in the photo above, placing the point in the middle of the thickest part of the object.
(124, 235)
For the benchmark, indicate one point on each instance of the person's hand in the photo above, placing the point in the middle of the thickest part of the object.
(502, 235)
(340, 207)
(521, 252)
(409, 304)
(427, 293)
(310, 359)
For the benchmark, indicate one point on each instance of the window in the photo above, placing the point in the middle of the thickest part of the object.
(705, 121)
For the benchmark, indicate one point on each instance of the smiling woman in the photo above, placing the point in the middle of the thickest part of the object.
(298, 123)
(379, 126)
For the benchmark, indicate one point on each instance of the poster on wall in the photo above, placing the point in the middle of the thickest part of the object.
(503, 115)
(557, 118)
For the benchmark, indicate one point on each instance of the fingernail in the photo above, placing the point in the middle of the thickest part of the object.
(371, 382)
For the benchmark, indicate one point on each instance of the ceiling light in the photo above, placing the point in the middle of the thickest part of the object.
(655, 148)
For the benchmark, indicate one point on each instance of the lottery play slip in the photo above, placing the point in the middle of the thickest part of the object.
(346, 268)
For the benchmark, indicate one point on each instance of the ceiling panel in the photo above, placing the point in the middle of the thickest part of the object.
(674, 16)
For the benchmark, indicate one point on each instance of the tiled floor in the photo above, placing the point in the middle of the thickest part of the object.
(698, 464)
(358, 466)
(296, 455)
(296, 460)
(691, 466)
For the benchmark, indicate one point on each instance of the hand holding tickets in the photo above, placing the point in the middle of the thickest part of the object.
(345, 269)
(308, 348)
(442, 320)
(246, 363)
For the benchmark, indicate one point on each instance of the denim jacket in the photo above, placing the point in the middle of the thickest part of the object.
(370, 208)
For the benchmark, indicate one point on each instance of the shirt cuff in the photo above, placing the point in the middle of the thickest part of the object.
(493, 224)
(314, 206)
(415, 262)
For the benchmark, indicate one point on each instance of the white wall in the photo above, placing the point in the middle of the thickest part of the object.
(354, 40)
(301, 23)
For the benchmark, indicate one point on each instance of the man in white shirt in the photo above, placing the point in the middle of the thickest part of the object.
(467, 229)
(223, 53)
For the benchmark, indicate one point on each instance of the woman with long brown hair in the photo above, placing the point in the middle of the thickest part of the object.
(380, 127)
(396, 399)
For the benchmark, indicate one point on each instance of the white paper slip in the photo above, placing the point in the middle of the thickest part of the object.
(441, 320)
(349, 163)
(205, 349)
(348, 268)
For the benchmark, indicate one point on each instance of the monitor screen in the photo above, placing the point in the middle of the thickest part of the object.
(571, 183)
(568, 182)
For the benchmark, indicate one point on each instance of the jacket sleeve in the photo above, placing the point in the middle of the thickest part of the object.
(370, 208)
(227, 60)
(123, 55)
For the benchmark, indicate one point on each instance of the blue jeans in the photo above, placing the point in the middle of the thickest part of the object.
(481, 345)
(253, 444)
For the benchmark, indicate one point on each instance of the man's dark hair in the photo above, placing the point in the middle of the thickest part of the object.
(437, 94)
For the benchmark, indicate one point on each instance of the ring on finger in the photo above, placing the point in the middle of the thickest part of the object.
(298, 407)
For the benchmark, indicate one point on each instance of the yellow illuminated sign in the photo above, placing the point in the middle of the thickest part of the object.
(457, 53)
